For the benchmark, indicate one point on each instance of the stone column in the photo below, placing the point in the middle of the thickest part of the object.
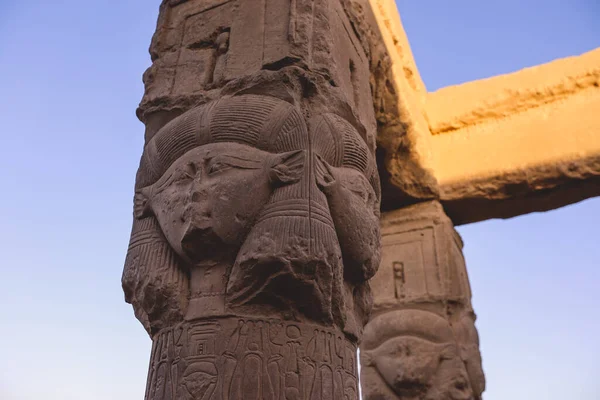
(256, 213)
(421, 342)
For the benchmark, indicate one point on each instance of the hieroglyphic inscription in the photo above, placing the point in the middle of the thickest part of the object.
(244, 359)
(411, 266)
(399, 279)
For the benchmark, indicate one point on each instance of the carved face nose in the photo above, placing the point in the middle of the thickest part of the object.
(197, 211)
(198, 193)
(199, 241)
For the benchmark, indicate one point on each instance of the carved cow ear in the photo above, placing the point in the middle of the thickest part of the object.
(324, 173)
(287, 167)
(141, 203)
(448, 352)
(366, 358)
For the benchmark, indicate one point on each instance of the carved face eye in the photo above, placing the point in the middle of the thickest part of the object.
(217, 167)
(188, 173)
(461, 384)
(360, 192)
(360, 187)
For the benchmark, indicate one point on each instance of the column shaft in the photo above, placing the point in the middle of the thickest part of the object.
(256, 216)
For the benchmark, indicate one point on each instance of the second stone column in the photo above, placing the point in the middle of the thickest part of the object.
(421, 342)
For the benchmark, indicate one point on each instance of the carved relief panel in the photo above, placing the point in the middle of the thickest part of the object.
(202, 45)
(422, 259)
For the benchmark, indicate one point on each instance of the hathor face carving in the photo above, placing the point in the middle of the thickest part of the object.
(414, 368)
(355, 211)
(413, 355)
(355, 182)
(208, 199)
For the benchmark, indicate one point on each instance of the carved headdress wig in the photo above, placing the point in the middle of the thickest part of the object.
(295, 225)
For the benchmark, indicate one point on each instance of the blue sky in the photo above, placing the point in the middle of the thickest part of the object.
(70, 79)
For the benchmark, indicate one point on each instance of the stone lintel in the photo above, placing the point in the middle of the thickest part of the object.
(519, 143)
(404, 141)
(493, 148)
